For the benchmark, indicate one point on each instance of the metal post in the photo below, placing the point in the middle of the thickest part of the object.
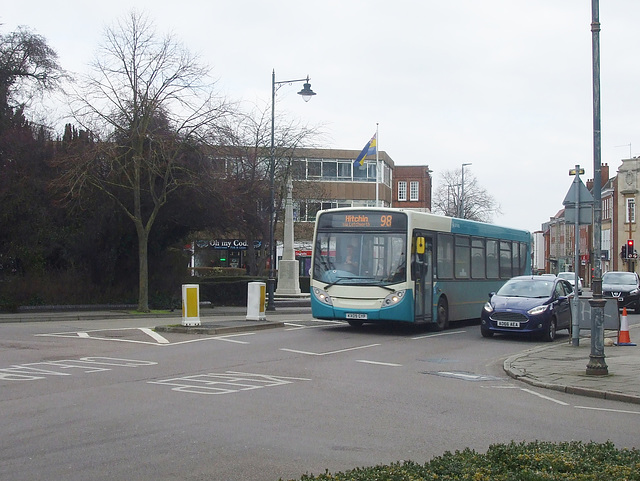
(462, 193)
(575, 322)
(597, 366)
(271, 282)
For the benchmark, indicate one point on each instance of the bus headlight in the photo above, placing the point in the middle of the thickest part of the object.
(322, 296)
(393, 298)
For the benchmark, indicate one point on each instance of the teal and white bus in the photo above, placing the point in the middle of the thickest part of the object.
(382, 264)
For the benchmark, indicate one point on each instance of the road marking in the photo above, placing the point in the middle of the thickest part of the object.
(154, 335)
(377, 363)
(330, 352)
(225, 383)
(321, 323)
(158, 339)
(608, 410)
(40, 370)
(465, 376)
(438, 335)
(544, 397)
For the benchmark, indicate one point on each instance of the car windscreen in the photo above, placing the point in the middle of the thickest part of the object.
(360, 257)
(527, 288)
(619, 278)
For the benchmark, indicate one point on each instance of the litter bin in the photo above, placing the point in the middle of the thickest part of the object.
(190, 305)
(256, 296)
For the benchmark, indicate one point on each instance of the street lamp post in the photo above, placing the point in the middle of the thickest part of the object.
(597, 365)
(462, 193)
(306, 93)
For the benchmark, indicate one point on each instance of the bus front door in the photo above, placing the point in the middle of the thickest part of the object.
(422, 274)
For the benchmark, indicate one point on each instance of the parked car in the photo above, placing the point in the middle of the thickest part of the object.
(570, 277)
(624, 286)
(538, 305)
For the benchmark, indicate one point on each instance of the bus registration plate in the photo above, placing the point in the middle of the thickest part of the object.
(508, 324)
(356, 315)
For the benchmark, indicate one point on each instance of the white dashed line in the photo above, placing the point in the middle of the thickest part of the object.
(377, 363)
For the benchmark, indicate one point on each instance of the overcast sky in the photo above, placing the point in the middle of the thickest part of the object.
(505, 85)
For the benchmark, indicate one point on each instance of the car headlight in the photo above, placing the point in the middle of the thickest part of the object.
(538, 310)
(488, 307)
(322, 296)
(393, 298)
(634, 292)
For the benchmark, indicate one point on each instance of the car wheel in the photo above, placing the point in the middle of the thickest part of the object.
(486, 332)
(442, 322)
(550, 334)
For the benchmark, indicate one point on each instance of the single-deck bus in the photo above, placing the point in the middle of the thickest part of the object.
(383, 264)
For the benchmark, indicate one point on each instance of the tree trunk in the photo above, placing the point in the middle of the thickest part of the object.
(143, 266)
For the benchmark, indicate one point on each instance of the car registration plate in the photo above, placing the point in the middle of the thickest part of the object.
(508, 324)
(356, 315)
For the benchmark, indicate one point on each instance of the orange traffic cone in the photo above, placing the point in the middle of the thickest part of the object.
(623, 334)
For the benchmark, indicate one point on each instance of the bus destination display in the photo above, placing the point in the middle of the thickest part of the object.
(363, 220)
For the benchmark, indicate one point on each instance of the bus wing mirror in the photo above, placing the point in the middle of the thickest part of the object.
(420, 245)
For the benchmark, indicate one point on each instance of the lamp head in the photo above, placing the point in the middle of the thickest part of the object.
(306, 91)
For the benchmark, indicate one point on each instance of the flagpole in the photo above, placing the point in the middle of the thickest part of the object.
(377, 163)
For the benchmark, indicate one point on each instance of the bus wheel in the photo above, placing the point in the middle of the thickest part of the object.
(442, 322)
(355, 323)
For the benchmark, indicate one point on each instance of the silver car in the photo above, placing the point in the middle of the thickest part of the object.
(571, 278)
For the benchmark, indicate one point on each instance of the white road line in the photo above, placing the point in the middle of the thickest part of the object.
(154, 335)
(461, 375)
(608, 410)
(391, 364)
(148, 331)
(438, 335)
(330, 352)
(226, 338)
(544, 397)
(321, 323)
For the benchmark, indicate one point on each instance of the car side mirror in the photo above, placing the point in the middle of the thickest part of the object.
(491, 294)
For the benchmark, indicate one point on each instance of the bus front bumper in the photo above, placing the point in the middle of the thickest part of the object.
(349, 310)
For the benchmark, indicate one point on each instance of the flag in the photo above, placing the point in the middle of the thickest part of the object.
(369, 149)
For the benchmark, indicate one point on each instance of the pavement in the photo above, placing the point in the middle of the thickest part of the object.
(562, 367)
(557, 366)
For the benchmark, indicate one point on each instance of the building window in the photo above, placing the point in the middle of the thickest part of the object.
(314, 168)
(402, 190)
(414, 188)
(631, 210)
(344, 170)
(330, 170)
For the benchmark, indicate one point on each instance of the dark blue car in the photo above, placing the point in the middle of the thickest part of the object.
(538, 305)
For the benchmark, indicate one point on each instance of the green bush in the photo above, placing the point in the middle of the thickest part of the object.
(536, 461)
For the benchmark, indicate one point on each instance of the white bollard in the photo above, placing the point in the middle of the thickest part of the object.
(190, 305)
(256, 297)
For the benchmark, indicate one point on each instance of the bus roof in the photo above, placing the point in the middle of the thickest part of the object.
(454, 225)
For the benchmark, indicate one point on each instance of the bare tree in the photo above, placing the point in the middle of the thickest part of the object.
(245, 146)
(146, 106)
(477, 204)
(27, 66)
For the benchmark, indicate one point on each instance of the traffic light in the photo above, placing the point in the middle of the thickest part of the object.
(630, 249)
(623, 251)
